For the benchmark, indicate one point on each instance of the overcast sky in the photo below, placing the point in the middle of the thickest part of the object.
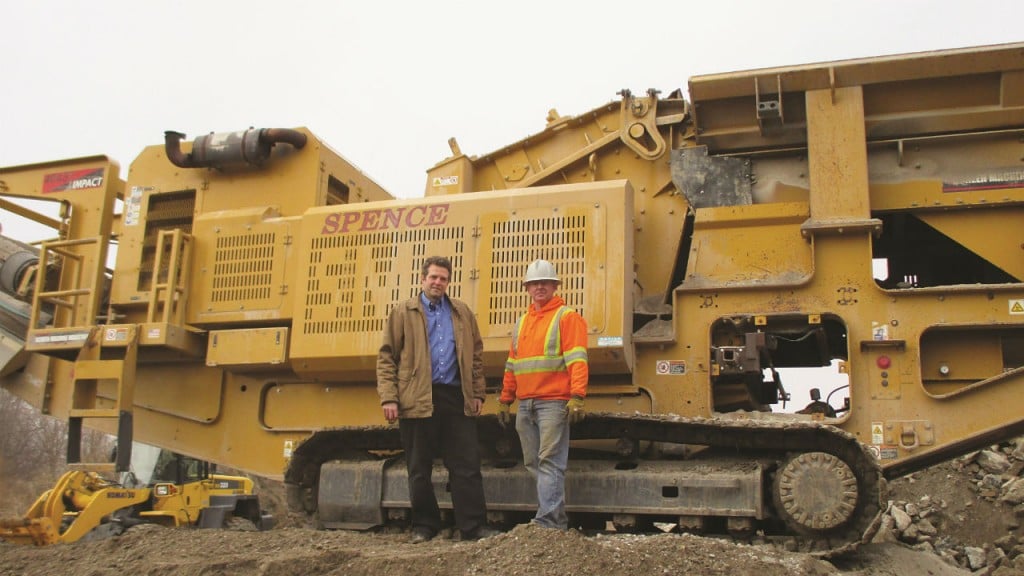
(387, 83)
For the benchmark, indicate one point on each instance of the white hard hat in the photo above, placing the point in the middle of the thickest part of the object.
(541, 270)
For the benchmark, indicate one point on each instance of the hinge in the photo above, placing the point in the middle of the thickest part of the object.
(769, 108)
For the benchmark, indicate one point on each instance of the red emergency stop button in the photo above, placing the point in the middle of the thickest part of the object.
(883, 362)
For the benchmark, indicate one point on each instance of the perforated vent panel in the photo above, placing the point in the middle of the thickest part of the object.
(514, 244)
(356, 279)
(243, 269)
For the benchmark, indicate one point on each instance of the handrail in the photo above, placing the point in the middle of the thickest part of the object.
(78, 287)
(172, 306)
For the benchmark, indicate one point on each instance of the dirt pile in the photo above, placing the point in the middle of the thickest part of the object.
(961, 517)
(968, 511)
(524, 550)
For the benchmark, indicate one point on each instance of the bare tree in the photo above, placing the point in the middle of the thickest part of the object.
(33, 452)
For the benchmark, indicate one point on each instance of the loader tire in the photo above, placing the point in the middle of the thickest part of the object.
(103, 531)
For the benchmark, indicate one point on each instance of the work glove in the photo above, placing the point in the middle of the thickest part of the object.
(504, 415)
(576, 412)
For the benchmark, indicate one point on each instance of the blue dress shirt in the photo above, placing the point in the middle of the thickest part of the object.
(444, 367)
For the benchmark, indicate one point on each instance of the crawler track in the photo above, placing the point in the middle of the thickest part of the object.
(825, 488)
(811, 451)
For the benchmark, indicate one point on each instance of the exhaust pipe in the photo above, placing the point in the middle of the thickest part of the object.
(230, 149)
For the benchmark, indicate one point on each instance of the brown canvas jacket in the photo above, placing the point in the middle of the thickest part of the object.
(403, 362)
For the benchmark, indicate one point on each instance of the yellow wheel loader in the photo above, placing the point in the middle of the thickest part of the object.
(181, 491)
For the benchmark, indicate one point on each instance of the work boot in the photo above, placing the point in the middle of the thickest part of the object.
(480, 533)
(420, 535)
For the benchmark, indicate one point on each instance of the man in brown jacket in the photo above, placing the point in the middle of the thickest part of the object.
(430, 377)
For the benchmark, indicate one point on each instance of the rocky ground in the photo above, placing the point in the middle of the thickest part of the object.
(967, 511)
(525, 550)
(961, 517)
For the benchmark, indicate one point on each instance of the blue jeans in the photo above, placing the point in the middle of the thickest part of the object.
(543, 427)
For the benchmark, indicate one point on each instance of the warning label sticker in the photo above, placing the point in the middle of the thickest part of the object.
(115, 335)
(887, 453)
(670, 367)
(133, 206)
(876, 433)
(69, 338)
(879, 331)
(1016, 306)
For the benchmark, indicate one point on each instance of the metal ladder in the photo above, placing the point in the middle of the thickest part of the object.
(105, 361)
(103, 386)
(104, 356)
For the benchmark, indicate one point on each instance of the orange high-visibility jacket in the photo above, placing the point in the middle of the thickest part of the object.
(548, 356)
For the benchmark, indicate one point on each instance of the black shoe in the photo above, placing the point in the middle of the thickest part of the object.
(420, 535)
(481, 533)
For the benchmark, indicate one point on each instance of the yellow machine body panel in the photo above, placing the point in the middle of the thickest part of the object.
(362, 261)
(852, 227)
(868, 204)
(228, 204)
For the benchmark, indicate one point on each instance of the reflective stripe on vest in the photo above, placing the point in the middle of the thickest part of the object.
(552, 360)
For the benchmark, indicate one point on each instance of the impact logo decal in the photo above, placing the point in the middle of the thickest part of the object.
(73, 180)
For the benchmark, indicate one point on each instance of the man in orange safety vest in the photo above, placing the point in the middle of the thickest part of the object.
(547, 372)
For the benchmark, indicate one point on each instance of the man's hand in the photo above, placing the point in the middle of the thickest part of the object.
(504, 415)
(390, 411)
(576, 412)
(477, 405)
